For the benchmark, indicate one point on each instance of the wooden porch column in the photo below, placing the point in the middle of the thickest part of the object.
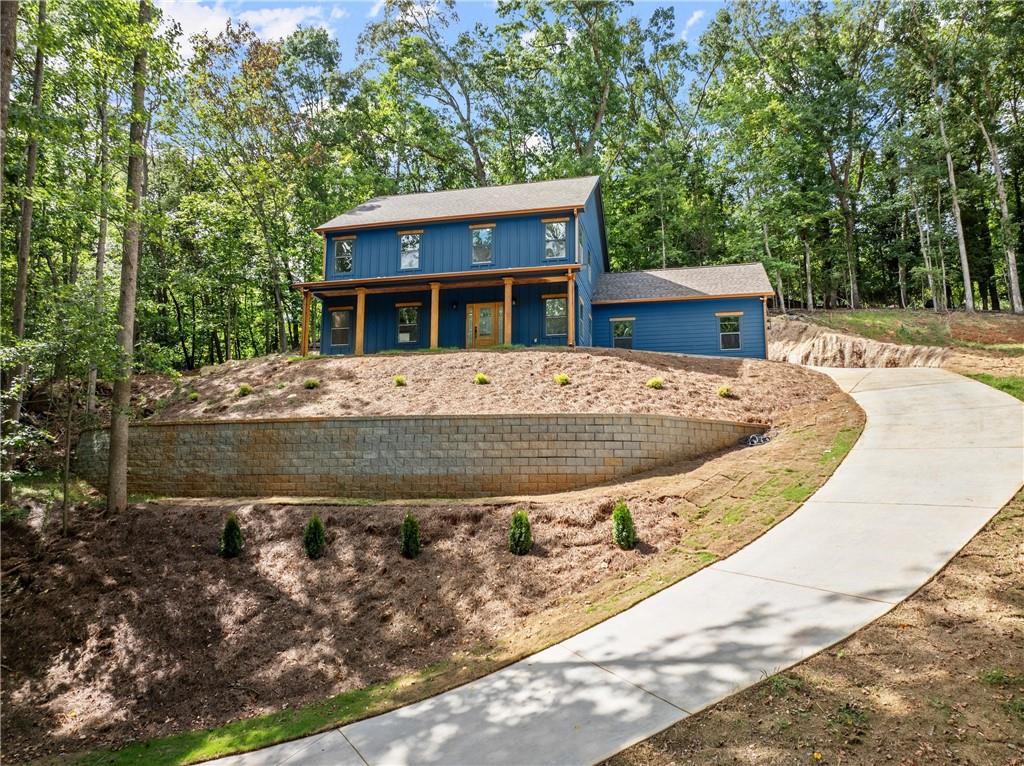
(570, 299)
(306, 298)
(507, 330)
(360, 319)
(435, 306)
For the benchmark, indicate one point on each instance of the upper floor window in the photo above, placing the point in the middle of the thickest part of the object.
(556, 316)
(483, 244)
(729, 332)
(622, 333)
(341, 327)
(554, 239)
(408, 324)
(344, 250)
(410, 248)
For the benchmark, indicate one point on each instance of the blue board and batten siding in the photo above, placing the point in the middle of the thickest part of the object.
(684, 327)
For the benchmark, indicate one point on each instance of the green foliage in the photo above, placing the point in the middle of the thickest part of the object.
(656, 383)
(781, 684)
(193, 396)
(231, 537)
(399, 380)
(725, 392)
(311, 383)
(314, 537)
(410, 537)
(850, 715)
(999, 677)
(561, 379)
(623, 530)
(244, 390)
(1009, 384)
(520, 534)
(480, 379)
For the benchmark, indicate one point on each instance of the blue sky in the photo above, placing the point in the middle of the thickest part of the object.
(273, 19)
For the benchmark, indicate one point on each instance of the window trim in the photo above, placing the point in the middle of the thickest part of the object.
(737, 315)
(564, 240)
(351, 238)
(418, 233)
(474, 227)
(632, 329)
(399, 308)
(330, 327)
(544, 313)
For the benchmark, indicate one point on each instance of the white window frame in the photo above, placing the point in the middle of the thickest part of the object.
(723, 315)
(564, 239)
(416, 307)
(348, 243)
(332, 328)
(488, 227)
(632, 330)
(544, 305)
(409, 236)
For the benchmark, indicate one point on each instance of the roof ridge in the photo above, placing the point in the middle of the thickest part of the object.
(481, 188)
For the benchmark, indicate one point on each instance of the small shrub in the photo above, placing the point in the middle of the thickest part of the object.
(292, 359)
(410, 537)
(623, 529)
(311, 383)
(231, 537)
(655, 383)
(399, 380)
(314, 537)
(193, 396)
(725, 392)
(520, 536)
(480, 379)
(244, 390)
(562, 379)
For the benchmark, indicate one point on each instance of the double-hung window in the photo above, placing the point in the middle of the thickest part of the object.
(344, 254)
(483, 244)
(556, 316)
(410, 250)
(729, 332)
(341, 327)
(554, 239)
(622, 333)
(408, 324)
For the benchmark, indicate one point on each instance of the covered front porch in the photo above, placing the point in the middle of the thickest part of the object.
(522, 306)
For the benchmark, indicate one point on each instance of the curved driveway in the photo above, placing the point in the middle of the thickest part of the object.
(940, 454)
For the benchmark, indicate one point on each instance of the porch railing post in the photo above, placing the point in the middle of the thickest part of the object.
(306, 297)
(360, 318)
(435, 305)
(570, 299)
(507, 329)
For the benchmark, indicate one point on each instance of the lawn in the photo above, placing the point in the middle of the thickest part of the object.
(1010, 384)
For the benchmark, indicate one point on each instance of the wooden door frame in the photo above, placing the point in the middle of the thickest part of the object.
(473, 309)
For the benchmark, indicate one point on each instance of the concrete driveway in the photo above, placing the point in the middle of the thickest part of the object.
(939, 456)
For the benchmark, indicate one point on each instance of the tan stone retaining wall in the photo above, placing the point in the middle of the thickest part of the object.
(416, 456)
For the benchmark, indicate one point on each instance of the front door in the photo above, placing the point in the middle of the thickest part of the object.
(484, 324)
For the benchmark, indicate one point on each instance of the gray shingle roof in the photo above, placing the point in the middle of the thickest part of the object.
(696, 282)
(464, 203)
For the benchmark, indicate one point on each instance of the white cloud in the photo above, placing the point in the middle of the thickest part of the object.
(376, 8)
(275, 23)
(691, 22)
(194, 18)
(337, 12)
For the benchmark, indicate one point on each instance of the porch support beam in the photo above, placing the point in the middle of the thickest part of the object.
(306, 298)
(570, 299)
(435, 305)
(507, 330)
(360, 319)
(419, 288)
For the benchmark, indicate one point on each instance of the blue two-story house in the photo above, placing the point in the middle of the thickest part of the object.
(524, 264)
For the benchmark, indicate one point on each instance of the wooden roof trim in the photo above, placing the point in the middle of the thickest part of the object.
(449, 218)
(677, 298)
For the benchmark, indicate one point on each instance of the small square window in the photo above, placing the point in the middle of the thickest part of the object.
(410, 251)
(556, 316)
(622, 333)
(344, 249)
(341, 328)
(483, 245)
(409, 324)
(729, 333)
(554, 240)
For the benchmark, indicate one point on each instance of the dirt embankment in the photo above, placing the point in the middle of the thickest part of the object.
(798, 342)
(521, 381)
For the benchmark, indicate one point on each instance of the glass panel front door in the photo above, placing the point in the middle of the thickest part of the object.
(484, 324)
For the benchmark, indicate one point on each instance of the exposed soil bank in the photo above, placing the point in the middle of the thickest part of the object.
(799, 342)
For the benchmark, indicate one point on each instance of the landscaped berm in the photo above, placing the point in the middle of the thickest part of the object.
(278, 643)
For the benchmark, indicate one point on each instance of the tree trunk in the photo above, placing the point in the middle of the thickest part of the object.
(964, 265)
(1009, 240)
(8, 45)
(101, 240)
(117, 478)
(946, 292)
(807, 273)
(925, 253)
(66, 467)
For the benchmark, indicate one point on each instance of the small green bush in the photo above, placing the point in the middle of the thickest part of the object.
(623, 529)
(231, 537)
(480, 379)
(311, 383)
(244, 390)
(410, 537)
(725, 392)
(655, 383)
(520, 536)
(193, 396)
(399, 380)
(562, 379)
(292, 359)
(314, 537)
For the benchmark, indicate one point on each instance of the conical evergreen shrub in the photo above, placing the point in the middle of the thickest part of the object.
(520, 536)
(410, 537)
(231, 537)
(314, 537)
(623, 529)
